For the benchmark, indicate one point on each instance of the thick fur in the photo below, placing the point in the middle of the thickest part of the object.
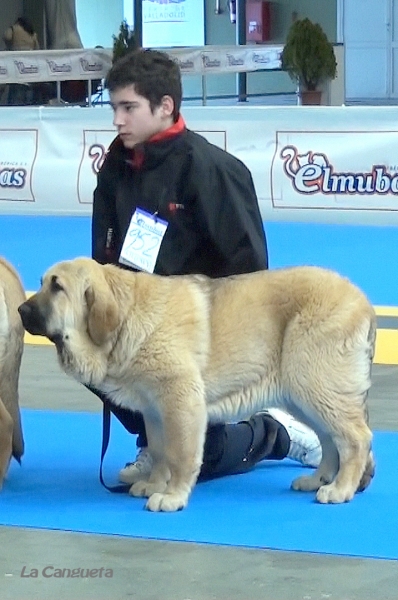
(188, 349)
(11, 348)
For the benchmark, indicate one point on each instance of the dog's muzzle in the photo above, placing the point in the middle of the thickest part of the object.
(33, 319)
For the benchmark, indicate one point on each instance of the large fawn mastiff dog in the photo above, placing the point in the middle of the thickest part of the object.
(184, 350)
(11, 348)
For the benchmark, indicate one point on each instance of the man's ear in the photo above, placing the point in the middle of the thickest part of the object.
(167, 106)
(103, 313)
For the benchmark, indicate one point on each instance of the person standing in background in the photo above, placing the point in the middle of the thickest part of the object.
(21, 36)
(61, 25)
(62, 34)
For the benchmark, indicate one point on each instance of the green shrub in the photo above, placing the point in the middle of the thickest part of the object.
(308, 56)
(124, 42)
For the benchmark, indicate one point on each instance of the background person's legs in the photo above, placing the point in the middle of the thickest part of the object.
(237, 448)
(229, 448)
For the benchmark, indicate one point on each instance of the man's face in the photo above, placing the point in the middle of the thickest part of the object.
(135, 121)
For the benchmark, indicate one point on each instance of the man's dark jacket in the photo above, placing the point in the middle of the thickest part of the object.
(205, 194)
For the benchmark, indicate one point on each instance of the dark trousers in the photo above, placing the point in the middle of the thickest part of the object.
(229, 448)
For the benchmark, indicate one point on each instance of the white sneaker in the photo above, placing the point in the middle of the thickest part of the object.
(139, 469)
(305, 446)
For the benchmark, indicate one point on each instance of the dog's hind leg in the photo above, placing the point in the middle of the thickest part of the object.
(353, 446)
(347, 462)
(368, 473)
(326, 471)
(353, 438)
(331, 392)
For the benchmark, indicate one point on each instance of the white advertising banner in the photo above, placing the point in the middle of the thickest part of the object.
(320, 164)
(227, 59)
(61, 65)
(53, 65)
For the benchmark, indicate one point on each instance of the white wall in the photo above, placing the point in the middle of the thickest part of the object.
(367, 39)
(97, 20)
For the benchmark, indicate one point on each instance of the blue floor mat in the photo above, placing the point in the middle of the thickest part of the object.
(365, 254)
(57, 487)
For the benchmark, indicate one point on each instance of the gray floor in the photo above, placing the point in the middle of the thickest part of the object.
(146, 570)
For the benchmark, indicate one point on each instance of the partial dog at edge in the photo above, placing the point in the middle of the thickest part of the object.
(187, 349)
(11, 349)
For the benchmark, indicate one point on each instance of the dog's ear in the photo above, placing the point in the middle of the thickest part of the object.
(103, 313)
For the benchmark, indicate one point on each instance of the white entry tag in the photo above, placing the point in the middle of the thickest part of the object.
(142, 242)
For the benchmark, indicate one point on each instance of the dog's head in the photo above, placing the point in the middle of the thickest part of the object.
(74, 307)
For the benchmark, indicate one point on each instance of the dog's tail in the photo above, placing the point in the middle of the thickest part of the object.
(4, 322)
(372, 338)
(370, 467)
(371, 350)
(11, 348)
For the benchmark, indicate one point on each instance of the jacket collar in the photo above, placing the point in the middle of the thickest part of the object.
(143, 153)
(177, 127)
(150, 153)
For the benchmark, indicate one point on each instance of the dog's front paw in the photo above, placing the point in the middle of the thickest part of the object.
(145, 489)
(332, 494)
(306, 483)
(167, 502)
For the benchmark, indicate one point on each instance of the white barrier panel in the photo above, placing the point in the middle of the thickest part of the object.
(61, 65)
(325, 164)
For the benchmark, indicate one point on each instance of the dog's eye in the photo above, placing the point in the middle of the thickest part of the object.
(55, 285)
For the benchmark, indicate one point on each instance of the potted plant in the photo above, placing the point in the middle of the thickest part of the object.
(124, 42)
(309, 58)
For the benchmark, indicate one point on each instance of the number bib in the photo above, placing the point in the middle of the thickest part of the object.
(142, 242)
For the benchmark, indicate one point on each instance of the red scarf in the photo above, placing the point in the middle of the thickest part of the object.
(137, 154)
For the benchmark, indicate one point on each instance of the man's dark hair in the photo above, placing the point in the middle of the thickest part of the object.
(25, 24)
(154, 75)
